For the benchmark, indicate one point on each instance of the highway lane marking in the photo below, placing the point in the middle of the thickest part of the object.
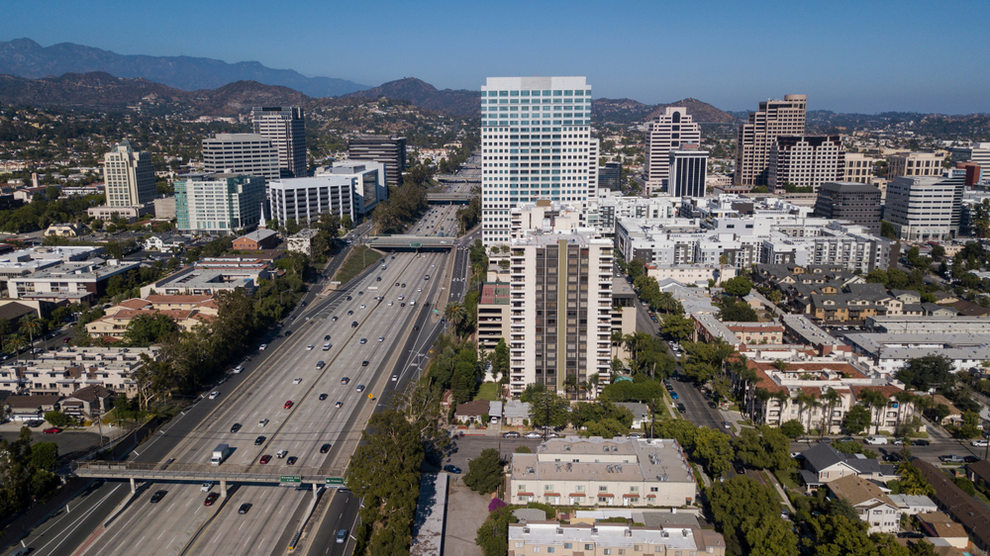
(64, 534)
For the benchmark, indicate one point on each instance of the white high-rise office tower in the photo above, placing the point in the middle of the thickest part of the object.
(285, 127)
(129, 176)
(668, 132)
(535, 144)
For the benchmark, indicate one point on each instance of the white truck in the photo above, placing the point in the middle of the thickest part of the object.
(876, 440)
(220, 453)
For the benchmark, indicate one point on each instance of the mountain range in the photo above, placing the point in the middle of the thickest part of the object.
(26, 58)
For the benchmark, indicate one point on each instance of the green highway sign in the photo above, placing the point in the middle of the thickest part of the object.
(415, 244)
(335, 480)
(290, 479)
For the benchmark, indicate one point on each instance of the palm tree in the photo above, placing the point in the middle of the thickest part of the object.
(802, 399)
(31, 326)
(782, 397)
(874, 400)
(831, 398)
(903, 397)
(616, 342)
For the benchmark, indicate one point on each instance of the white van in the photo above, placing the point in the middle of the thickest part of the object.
(876, 440)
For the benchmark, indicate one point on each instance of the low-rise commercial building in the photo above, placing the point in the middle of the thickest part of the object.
(891, 351)
(259, 239)
(631, 472)
(75, 281)
(600, 539)
(197, 280)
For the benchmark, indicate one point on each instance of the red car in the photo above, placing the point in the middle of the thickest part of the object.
(265, 459)
(288, 405)
(53, 430)
(210, 499)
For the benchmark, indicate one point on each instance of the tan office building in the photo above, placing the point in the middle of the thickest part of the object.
(669, 131)
(915, 164)
(757, 137)
(858, 168)
(804, 161)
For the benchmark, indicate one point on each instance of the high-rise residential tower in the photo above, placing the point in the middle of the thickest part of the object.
(129, 176)
(218, 202)
(758, 136)
(285, 127)
(667, 132)
(389, 150)
(804, 161)
(560, 292)
(535, 144)
(249, 154)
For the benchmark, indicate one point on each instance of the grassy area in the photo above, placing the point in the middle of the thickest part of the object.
(360, 258)
(488, 391)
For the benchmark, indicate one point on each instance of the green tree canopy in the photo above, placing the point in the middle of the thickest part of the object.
(485, 472)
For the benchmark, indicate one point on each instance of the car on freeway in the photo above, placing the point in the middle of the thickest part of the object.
(341, 536)
(364, 340)
(381, 338)
(979, 443)
(345, 379)
(287, 405)
(214, 395)
(245, 508)
(262, 347)
(364, 363)
(354, 324)
(327, 346)
(533, 434)
(263, 422)
(211, 498)
(349, 298)
(332, 319)
(511, 434)
(363, 306)
(452, 469)
(292, 460)
(310, 347)
(338, 404)
(325, 448)
(158, 495)
(397, 284)
(323, 396)
(235, 427)
(205, 487)
(259, 440)
(419, 290)
(403, 304)
(265, 459)
(53, 430)
(360, 387)
(395, 378)
(350, 311)
(281, 454)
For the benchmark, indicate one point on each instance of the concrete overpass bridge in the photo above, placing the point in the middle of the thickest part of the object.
(197, 473)
(448, 198)
(411, 243)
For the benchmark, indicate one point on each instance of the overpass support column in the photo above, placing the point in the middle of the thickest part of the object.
(223, 488)
(133, 488)
(315, 491)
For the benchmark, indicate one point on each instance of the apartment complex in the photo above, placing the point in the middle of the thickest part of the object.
(218, 202)
(188, 311)
(858, 203)
(603, 539)
(561, 308)
(804, 161)
(535, 144)
(389, 150)
(248, 154)
(129, 176)
(758, 135)
(669, 131)
(688, 173)
(915, 164)
(924, 208)
(621, 471)
(66, 370)
(285, 127)
(494, 315)
(74, 281)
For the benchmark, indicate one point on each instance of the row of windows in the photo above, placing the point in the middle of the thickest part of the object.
(538, 92)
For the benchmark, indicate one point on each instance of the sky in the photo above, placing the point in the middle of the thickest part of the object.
(847, 56)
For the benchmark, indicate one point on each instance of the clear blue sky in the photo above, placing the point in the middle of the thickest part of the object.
(845, 55)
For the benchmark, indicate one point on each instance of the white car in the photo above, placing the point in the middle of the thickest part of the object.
(239, 369)
(214, 395)
(381, 338)
(262, 347)
(310, 347)
(395, 378)
(262, 422)
(206, 486)
(979, 443)
(533, 434)
(296, 380)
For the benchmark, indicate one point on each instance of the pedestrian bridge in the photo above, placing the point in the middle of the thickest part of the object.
(199, 473)
(449, 198)
(411, 243)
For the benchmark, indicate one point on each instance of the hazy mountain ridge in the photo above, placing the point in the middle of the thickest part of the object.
(26, 58)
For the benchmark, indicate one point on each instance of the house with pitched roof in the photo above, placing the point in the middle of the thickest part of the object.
(873, 506)
(823, 464)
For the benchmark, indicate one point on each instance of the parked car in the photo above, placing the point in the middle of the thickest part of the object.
(214, 395)
(533, 434)
(262, 347)
(53, 430)
(951, 458)
(920, 442)
(452, 469)
(982, 443)
(511, 434)
(876, 440)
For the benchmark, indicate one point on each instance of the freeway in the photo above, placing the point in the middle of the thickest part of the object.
(358, 326)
